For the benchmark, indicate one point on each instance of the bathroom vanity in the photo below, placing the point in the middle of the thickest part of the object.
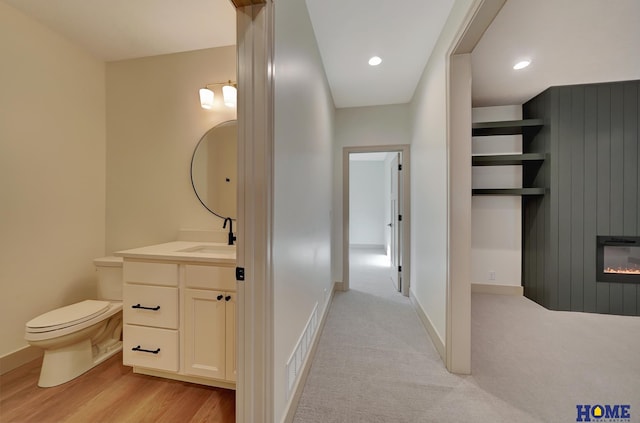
(179, 312)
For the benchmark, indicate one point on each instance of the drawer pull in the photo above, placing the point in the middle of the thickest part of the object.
(220, 297)
(156, 308)
(143, 350)
(227, 298)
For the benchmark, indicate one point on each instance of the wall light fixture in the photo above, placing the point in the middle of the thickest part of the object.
(229, 94)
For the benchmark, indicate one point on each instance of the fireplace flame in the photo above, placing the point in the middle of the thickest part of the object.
(622, 271)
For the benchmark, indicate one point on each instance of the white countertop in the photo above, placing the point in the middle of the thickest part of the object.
(184, 251)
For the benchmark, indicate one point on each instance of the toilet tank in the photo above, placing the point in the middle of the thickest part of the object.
(109, 278)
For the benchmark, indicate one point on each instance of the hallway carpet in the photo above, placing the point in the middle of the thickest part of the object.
(375, 362)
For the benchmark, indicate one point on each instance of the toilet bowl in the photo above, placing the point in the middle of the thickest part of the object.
(78, 337)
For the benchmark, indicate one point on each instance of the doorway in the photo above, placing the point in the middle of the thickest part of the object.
(379, 219)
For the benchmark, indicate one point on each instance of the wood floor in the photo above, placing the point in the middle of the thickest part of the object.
(110, 393)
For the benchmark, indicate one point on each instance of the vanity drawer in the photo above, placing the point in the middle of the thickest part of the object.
(152, 348)
(165, 274)
(210, 277)
(150, 306)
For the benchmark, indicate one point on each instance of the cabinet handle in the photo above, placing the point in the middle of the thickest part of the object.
(227, 298)
(219, 297)
(156, 308)
(143, 350)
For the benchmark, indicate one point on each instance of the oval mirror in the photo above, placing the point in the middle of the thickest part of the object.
(214, 167)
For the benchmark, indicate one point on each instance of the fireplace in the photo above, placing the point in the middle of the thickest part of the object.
(618, 259)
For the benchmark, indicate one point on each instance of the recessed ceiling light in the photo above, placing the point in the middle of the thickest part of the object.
(375, 61)
(522, 65)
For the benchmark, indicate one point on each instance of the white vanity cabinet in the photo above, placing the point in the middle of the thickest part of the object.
(150, 315)
(179, 320)
(210, 322)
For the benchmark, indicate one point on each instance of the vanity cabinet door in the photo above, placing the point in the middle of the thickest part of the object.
(231, 328)
(205, 333)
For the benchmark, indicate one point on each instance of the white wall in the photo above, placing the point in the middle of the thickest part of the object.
(304, 125)
(154, 122)
(496, 236)
(358, 127)
(367, 206)
(52, 173)
(429, 173)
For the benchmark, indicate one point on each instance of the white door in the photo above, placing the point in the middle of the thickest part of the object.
(394, 225)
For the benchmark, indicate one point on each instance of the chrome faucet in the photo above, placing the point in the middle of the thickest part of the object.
(232, 237)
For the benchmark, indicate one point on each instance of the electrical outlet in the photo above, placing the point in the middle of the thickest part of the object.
(492, 275)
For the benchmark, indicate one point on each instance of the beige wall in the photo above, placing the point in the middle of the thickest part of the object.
(92, 155)
(430, 176)
(52, 173)
(304, 122)
(154, 122)
(358, 127)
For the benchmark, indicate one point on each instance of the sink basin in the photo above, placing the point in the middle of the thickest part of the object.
(211, 249)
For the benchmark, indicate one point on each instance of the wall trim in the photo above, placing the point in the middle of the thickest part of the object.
(292, 406)
(13, 360)
(485, 288)
(478, 17)
(368, 246)
(431, 330)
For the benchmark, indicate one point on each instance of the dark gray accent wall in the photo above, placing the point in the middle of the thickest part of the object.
(590, 140)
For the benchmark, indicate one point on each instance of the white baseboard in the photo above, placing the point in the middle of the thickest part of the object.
(431, 330)
(19, 357)
(483, 288)
(297, 389)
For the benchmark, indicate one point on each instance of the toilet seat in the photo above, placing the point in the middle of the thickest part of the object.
(70, 315)
(113, 307)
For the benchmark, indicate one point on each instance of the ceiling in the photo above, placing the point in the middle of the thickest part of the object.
(125, 29)
(568, 41)
(401, 33)
(348, 34)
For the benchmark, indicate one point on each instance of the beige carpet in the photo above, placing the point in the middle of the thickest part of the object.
(375, 363)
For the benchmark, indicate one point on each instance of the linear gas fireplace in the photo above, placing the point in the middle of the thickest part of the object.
(618, 259)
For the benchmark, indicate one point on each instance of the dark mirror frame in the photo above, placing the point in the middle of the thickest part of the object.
(193, 185)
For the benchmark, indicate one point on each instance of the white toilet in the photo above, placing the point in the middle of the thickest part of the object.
(80, 336)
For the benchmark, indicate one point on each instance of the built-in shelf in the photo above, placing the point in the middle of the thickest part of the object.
(506, 159)
(508, 191)
(509, 127)
(530, 161)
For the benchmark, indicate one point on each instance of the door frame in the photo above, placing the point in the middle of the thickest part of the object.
(478, 18)
(406, 210)
(394, 207)
(254, 311)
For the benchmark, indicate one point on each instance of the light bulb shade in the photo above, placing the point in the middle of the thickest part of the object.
(206, 98)
(230, 94)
